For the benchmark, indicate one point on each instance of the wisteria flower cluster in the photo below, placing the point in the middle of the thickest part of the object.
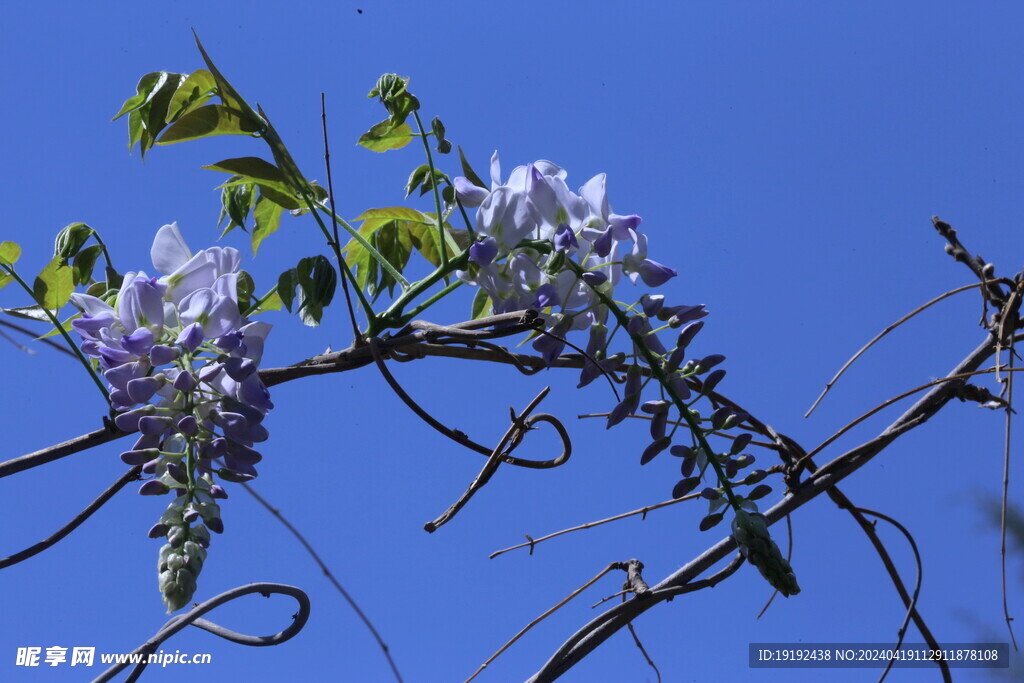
(182, 361)
(541, 246)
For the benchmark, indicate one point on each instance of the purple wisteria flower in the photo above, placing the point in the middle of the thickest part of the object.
(182, 362)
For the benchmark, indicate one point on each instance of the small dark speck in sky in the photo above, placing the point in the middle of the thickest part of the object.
(360, 11)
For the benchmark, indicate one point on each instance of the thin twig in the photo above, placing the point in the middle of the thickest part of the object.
(345, 273)
(917, 584)
(1005, 498)
(894, 399)
(640, 511)
(887, 330)
(611, 567)
(640, 646)
(330, 576)
(49, 342)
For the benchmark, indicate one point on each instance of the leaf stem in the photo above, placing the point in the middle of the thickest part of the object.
(437, 195)
(60, 328)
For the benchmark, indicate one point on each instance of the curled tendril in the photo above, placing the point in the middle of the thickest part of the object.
(177, 623)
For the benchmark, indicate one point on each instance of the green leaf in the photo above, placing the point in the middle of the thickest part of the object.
(53, 286)
(481, 304)
(268, 219)
(385, 135)
(84, 263)
(34, 312)
(199, 87)
(424, 238)
(227, 93)
(213, 119)
(710, 521)
(145, 89)
(134, 129)
(10, 252)
(154, 112)
(286, 284)
(401, 213)
(394, 243)
(443, 146)
(429, 182)
(71, 239)
(236, 202)
(316, 279)
(286, 201)
(271, 303)
(468, 172)
(65, 325)
(415, 178)
(252, 170)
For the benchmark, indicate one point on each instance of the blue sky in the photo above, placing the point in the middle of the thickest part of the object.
(786, 160)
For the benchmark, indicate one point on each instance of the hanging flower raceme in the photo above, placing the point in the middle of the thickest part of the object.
(182, 365)
(544, 247)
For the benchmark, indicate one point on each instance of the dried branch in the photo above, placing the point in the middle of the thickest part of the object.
(911, 608)
(589, 637)
(877, 337)
(981, 269)
(513, 438)
(177, 623)
(30, 333)
(531, 542)
(125, 479)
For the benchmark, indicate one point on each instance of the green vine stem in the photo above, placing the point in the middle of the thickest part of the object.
(437, 194)
(60, 328)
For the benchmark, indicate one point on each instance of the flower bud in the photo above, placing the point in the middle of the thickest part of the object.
(185, 381)
(139, 457)
(188, 425)
(153, 487)
(654, 449)
(142, 389)
(154, 424)
(177, 473)
(162, 355)
(687, 334)
(191, 337)
(652, 303)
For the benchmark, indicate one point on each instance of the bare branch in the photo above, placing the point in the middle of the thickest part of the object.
(877, 337)
(600, 629)
(125, 479)
(513, 437)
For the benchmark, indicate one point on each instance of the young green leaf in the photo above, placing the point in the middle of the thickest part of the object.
(268, 219)
(10, 252)
(385, 135)
(213, 119)
(53, 286)
(253, 170)
(196, 89)
(84, 263)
